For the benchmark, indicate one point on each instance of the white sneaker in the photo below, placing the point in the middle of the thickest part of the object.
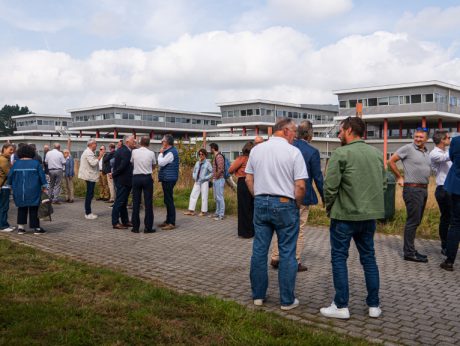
(91, 216)
(258, 302)
(375, 312)
(8, 229)
(292, 306)
(334, 312)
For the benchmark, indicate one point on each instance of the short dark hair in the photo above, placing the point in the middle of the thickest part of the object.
(282, 123)
(112, 145)
(356, 124)
(439, 135)
(145, 141)
(214, 146)
(26, 152)
(6, 146)
(247, 148)
(169, 139)
(305, 130)
(203, 151)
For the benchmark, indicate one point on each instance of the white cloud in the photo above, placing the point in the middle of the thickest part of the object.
(308, 9)
(431, 22)
(195, 72)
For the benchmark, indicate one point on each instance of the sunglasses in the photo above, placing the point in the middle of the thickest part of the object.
(419, 129)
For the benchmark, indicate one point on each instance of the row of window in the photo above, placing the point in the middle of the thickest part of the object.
(40, 122)
(279, 113)
(400, 100)
(145, 117)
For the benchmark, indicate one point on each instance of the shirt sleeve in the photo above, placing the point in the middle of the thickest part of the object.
(164, 160)
(300, 168)
(438, 156)
(249, 168)
(402, 152)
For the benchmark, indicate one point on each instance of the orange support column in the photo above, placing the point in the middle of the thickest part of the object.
(270, 131)
(151, 134)
(257, 130)
(81, 133)
(204, 139)
(115, 133)
(385, 142)
(244, 130)
(400, 129)
(134, 134)
(423, 121)
(440, 123)
(98, 134)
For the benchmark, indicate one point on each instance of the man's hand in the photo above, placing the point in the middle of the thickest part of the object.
(401, 181)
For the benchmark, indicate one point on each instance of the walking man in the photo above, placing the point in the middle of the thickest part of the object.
(353, 193)
(168, 160)
(55, 162)
(143, 161)
(417, 170)
(89, 171)
(123, 178)
(440, 162)
(276, 176)
(218, 167)
(313, 162)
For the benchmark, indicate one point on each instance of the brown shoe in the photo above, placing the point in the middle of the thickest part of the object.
(202, 214)
(168, 227)
(190, 213)
(119, 226)
(129, 224)
(301, 268)
(274, 263)
(161, 225)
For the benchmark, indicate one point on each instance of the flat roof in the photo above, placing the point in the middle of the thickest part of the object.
(32, 115)
(212, 114)
(326, 107)
(398, 86)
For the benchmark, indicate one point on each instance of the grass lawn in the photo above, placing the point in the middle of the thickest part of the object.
(48, 300)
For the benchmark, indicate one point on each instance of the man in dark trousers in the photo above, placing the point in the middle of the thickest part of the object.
(123, 178)
(168, 160)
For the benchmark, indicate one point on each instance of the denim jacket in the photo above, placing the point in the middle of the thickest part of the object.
(69, 167)
(205, 173)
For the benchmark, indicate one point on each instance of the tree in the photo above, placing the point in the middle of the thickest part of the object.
(8, 125)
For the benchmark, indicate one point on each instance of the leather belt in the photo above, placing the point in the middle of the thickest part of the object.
(423, 186)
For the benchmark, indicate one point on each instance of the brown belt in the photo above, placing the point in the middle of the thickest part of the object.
(423, 186)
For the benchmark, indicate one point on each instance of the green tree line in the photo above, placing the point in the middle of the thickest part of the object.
(8, 125)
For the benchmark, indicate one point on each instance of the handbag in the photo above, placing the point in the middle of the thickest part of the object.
(45, 208)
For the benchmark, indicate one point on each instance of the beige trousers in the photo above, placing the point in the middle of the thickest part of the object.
(111, 187)
(103, 186)
(303, 213)
(68, 188)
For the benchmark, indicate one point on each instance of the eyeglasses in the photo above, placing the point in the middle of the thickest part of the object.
(201, 154)
(420, 129)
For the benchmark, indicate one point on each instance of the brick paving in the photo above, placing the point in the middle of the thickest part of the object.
(420, 302)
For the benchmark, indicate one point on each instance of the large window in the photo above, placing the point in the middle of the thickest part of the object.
(372, 102)
(383, 101)
(393, 100)
(352, 103)
(343, 104)
(417, 98)
(404, 100)
(427, 97)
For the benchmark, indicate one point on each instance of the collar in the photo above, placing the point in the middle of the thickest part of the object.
(424, 150)
(356, 141)
(278, 138)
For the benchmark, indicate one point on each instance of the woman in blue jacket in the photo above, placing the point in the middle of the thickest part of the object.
(27, 180)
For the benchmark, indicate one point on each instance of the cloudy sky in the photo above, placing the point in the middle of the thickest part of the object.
(190, 54)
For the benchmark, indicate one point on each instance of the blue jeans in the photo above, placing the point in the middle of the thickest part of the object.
(453, 236)
(89, 196)
(362, 233)
(168, 199)
(282, 216)
(218, 192)
(4, 207)
(120, 206)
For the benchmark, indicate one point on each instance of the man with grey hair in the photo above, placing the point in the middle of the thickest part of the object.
(441, 163)
(313, 162)
(89, 172)
(55, 161)
(168, 160)
(276, 174)
(123, 178)
(416, 162)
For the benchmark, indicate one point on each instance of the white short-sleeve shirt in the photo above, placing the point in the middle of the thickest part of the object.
(276, 165)
(143, 161)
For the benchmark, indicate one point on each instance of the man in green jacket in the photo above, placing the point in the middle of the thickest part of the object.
(353, 193)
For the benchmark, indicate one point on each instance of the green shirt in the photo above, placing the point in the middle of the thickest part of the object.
(355, 183)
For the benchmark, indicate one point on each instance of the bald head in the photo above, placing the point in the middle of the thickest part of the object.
(258, 140)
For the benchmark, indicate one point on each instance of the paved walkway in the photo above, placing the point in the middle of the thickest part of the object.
(420, 302)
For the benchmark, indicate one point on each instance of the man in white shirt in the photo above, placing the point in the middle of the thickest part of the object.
(440, 162)
(55, 161)
(276, 174)
(143, 161)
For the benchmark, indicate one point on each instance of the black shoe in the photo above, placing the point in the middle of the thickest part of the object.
(39, 231)
(150, 230)
(301, 268)
(135, 230)
(444, 252)
(447, 266)
(416, 258)
(420, 255)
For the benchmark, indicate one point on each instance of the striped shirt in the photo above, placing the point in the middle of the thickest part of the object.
(416, 163)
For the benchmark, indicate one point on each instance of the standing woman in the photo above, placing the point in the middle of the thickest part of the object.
(202, 172)
(5, 165)
(245, 199)
(27, 180)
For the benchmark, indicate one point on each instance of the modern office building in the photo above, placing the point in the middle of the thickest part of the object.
(42, 124)
(393, 112)
(110, 121)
